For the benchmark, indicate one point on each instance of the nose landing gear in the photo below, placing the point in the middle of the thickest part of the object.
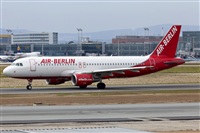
(29, 86)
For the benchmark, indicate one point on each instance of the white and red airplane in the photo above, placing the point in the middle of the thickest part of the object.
(83, 71)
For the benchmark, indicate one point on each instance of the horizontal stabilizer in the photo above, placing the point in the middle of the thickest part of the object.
(173, 62)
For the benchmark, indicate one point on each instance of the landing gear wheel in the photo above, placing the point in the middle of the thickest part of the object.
(101, 86)
(29, 87)
(83, 87)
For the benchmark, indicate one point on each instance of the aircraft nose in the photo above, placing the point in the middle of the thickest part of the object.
(6, 71)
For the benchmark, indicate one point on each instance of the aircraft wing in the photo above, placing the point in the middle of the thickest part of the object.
(106, 72)
(116, 70)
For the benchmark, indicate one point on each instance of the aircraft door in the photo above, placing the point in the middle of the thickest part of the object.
(32, 65)
(82, 65)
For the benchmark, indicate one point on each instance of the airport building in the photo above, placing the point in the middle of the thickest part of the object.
(5, 39)
(133, 45)
(188, 44)
(129, 49)
(136, 39)
(35, 38)
(57, 49)
(191, 42)
(5, 44)
(94, 49)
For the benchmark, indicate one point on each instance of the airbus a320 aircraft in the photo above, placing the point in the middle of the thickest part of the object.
(83, 71)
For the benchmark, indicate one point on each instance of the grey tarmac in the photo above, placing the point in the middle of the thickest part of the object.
(74, 89)
(99, 113)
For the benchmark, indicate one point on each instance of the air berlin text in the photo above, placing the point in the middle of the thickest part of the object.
(58, 61)
(166, 40)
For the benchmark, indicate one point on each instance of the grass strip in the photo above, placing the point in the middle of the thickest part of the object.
(104, 93)
(182, 69)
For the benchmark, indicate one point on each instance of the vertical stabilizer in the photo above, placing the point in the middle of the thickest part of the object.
(168, 44)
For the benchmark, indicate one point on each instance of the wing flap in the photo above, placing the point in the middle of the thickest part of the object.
(118, 70)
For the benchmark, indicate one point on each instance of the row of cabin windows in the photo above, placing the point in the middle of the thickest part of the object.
(90, 64)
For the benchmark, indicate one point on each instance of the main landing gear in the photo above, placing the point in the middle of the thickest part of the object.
(101, 85)
(29, 86)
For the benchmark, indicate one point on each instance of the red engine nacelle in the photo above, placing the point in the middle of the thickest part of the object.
(82, 79)
(55, 81)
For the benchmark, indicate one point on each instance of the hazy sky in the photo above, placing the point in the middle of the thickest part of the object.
(92, 15)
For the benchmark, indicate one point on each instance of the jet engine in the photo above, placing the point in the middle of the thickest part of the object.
(82, 80)
(55, 81)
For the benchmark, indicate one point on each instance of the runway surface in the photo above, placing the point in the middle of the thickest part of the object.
(74, 89)
(99, 113)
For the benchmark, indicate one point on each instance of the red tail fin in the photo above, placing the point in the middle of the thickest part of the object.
(167, 46)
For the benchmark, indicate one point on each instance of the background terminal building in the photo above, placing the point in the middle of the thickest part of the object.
(5, 39)
(47, 43)
(191, 43)
(5, 44)
(26, 41)
(35, 38)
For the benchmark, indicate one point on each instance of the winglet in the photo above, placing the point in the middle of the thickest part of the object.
(168, 44)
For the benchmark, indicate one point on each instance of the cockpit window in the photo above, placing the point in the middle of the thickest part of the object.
(17, 64)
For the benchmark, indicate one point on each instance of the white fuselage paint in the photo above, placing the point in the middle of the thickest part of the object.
(82, 64)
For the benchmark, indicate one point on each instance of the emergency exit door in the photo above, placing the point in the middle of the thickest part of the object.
(32, 65)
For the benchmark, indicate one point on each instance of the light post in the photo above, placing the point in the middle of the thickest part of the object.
(78, 29)
(188, 43)
(81, 37)
(118, 46)
(43, 42)
(9, 44)
(146, 38)
(79, 46)
(193, 44)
